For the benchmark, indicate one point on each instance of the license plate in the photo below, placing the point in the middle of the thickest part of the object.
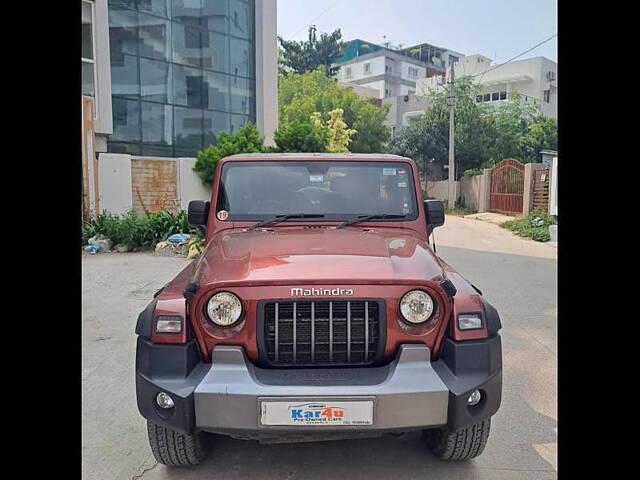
(316, 412)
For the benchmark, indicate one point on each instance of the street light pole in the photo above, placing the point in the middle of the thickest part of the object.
(451, 101)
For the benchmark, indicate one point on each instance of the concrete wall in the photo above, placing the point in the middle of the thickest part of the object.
(154, 183)
(470, 191)
(190, 186)
(104, 119)
(440, 190)
(266, 69)
(114, 180)
(127, 182)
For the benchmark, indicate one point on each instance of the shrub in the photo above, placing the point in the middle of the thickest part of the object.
(472, 172)
(247, 140)
(535, 225)
(138, 232)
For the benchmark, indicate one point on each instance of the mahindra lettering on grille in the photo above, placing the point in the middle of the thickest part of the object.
(323, 332)
(321, 292)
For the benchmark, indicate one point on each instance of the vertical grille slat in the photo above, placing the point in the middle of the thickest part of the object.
(330, 332)
(295, 337)
(322, 332)
(349, 332)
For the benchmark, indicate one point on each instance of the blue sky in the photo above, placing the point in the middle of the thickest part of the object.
(499, 29)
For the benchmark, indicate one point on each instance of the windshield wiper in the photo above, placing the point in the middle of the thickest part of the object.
(363, 218)
(281, 218)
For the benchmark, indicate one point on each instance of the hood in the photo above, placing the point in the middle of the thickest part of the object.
(315, 255)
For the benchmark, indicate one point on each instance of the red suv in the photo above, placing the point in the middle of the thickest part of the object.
(317, 310)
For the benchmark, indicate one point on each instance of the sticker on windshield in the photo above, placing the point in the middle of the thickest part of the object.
(223, 215)
(402, 184)
(388, 171)
(315, 178)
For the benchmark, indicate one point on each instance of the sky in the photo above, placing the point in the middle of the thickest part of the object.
(498, 29)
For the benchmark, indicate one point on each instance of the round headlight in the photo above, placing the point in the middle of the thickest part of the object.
(224, 309)
(416, 306)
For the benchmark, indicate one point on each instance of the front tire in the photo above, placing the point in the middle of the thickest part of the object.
(462, 444)
(175, 449)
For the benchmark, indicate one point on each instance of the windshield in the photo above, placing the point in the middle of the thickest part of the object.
(336, 190)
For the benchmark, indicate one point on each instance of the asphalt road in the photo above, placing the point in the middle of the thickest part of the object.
(523, 440)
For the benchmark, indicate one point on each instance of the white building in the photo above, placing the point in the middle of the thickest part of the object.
(535, 79)
(389, 72)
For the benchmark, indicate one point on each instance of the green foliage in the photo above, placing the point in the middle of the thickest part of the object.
(300, 96)
(484, 135)
(522, 131)
(302, 136)
(311, 54)
(138, 232)
(338, 132)
(247, 140)
(535, 225)
(473, 172)
(459, 211)
(427, 136)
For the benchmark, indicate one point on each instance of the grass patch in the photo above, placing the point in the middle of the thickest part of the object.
(459, 211)
(535, 226)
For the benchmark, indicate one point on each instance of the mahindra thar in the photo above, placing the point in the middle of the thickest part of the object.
(317, 310)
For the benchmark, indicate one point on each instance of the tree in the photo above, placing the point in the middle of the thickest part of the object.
(522, 131)
(484, 135)
(247, 140)
(428, 136)
(302, 136)
(300, 95)
(339, 132)
(308, 55)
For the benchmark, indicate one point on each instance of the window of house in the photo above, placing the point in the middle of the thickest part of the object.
(487, 97)
(495, 96)
(503, 95)
(411, 92)
(388, 69)
(479, 98)
(413, 72)
(547, 95)
(453, 59)
(367, 68)
(347, 72)
(88, 50)
(387, 92)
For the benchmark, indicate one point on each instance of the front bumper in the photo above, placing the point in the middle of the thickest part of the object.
(411, 392)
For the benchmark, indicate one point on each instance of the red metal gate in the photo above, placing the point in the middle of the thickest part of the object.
(507, 187)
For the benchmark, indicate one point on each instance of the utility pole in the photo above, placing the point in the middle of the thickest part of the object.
(451, 101)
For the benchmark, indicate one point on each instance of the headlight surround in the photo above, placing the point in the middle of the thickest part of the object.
(416, 306)
(469, 321)
(224, 309)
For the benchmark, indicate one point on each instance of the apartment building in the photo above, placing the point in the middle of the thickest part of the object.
(535, 79)
(392, 71)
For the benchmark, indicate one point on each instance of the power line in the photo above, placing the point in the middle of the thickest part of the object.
(513, 58)
(316, 18)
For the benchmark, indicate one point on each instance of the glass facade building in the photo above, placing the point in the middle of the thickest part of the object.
(181, 71)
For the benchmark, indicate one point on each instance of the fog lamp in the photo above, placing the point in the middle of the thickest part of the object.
(474, 398)
(164, 400)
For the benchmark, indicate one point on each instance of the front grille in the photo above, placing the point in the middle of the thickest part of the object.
(323, 332)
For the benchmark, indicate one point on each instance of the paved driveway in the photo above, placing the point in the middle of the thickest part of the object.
(517, 276)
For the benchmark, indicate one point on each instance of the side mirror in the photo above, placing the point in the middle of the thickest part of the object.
(434, 210)
(198, 214)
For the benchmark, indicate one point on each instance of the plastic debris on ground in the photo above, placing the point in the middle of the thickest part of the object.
(91, 249)
(178, 238)
(537, 222)
(101, 241)
(194, 250)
